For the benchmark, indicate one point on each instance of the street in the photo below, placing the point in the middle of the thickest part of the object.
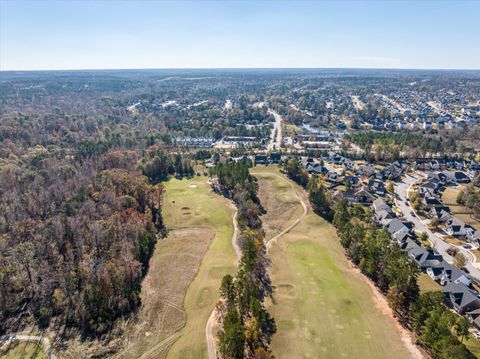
(401, 196)
(276, 138)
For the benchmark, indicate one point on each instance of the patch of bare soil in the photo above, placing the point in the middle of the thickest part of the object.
(172, 268)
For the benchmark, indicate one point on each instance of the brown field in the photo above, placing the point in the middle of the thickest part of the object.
(172, 269)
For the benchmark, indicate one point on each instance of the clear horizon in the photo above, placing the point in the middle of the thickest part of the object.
(148, 35)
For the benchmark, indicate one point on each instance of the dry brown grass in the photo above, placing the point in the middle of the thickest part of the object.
(172, 269)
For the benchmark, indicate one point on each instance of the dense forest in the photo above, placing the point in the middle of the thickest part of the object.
(76, 236)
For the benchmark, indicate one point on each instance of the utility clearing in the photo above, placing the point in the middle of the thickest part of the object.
(323, 306)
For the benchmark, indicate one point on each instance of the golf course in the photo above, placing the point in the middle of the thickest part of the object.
(181, 288)
(324, 307)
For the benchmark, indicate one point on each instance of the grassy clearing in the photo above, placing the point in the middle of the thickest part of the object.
(427, 284)
(23, 350)
(192, 204)
(163, 290)
(473, 345)
(281, 204)
(323, 307)
(449, 198)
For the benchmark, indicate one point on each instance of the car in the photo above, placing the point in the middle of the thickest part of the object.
(467, 246)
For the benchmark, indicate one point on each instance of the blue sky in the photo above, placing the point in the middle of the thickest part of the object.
(45, 35)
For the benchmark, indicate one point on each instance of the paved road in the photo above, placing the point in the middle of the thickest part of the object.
(31, 338)
(401, 194)
(276, 136)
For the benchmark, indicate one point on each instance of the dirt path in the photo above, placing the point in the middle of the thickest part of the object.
(297, 221)
(211, 342)
(31, 338)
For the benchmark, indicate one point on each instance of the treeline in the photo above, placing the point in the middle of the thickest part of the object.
(317, 195)
(391, 145)
(439, 330)
(158, 165)
(247, 327)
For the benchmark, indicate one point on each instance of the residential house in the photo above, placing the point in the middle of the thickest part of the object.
(364, 196)
(445, 273)
(462, 297)
(367, 171)
(440, 213)
(474, 317)
(456, 227)
(425, 258)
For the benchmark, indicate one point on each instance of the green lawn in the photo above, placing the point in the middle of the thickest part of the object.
(323, 307)
(449, 198)
(473, 345)
(427, 284)
(23, 350)
(191, 203)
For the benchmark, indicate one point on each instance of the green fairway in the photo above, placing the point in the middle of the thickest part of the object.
(323, 306)
(191, 204)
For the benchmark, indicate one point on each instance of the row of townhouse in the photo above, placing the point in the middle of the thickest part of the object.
(457, 285)
(448, 164)
(204, 142)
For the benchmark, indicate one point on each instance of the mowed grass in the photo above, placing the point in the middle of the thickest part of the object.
(191, 204)
(427, 284)
(473, 345)
(449, 198)
(23, 350)
(323, 307)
